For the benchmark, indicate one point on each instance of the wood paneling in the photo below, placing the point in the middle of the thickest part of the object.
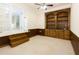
(4, 41)
(40, 32)
(75, 42)
(32, 32)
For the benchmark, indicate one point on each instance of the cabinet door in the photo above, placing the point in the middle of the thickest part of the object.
(53, 33)
(66, 34)
(60, 34)
(50, 33)
(50, 20)
(46, 32)
(63, 19)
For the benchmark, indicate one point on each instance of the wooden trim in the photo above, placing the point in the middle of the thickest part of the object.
(75, 42)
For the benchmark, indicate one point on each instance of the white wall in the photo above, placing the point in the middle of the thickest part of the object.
(41, 19)
(41, 14)
(75, 19)
(4, 19)
(29, 14)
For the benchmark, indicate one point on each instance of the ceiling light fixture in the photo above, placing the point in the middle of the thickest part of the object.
(44, 6)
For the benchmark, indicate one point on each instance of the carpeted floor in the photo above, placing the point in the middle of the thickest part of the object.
(41, 45)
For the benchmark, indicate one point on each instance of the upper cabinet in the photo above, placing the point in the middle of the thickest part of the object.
(50, 20)
(58, 19)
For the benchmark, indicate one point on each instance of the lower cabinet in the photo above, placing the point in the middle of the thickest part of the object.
(62, 34)
(17, 39)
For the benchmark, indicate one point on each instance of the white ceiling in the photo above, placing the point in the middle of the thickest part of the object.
(54, 5)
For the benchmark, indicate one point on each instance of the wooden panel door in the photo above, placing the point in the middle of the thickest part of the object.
(60, 34)
(50, 33)
(50, 20)
(66, 34)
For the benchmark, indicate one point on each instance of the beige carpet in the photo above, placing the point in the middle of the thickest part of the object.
(40, 45)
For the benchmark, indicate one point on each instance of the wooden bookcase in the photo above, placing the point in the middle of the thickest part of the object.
(51, 21)
(62, 20)
(58, 23)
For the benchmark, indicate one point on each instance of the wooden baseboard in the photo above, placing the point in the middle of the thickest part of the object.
(75, 42)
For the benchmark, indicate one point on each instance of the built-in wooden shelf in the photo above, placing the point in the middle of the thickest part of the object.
(59, 23)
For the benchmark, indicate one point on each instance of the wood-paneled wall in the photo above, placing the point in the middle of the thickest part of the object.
(75, 42)
(4, 41)
(34, 32)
